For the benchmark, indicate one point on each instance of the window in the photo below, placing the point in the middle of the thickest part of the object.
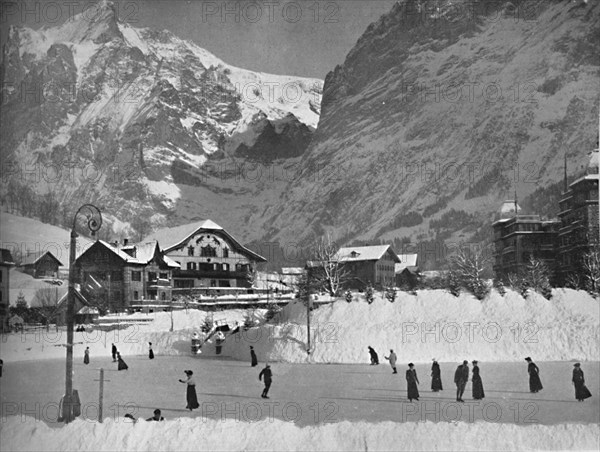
(151, 276)
(163, 296)
(225, 252)
(163, 275)
(208, 251)
(136, 276)
(213, 283)
(225, 267)
(136, 295)
(190, 251)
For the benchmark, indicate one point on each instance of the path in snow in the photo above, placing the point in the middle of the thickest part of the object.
(305, 393)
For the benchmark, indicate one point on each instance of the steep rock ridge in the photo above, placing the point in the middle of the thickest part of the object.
(112, 110)
(446, 105)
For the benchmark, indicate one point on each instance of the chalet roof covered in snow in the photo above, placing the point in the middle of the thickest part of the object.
(406, 261)
(173, 238)
(32, 259)
(364, 253)
(145, 252)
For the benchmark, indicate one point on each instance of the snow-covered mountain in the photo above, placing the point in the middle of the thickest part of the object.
(142, 122)
(443, 105)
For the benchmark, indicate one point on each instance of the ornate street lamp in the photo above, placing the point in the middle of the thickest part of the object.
(90, 216)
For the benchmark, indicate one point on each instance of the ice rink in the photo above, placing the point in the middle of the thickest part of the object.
(304, 394)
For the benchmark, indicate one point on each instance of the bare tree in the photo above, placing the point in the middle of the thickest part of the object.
(537, 277)
(329, 271)
(590, 263)
(47, 300)
(470, 267)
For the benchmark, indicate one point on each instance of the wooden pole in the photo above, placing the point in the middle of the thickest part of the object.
(101, 396)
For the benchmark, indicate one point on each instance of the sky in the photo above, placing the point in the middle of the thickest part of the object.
(301, 37)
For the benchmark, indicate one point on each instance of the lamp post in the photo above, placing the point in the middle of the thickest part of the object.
(93, 221)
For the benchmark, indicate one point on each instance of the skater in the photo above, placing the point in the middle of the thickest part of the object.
(411, 383)
(122, 365)
(478, 393)
(436, 379)
(219, 339)
(114, 353)
(150, 351)
(374, 357)
(253, 360)
(191, 397)
(157, 417)
(581, 390)
(392, 359)
(86, 356)
(535, 384)
(1, 364)
(268, 379)
(461, 376)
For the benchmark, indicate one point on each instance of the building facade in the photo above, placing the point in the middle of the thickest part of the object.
(121, 277)
(207, 257)
(44, 265)
(520, 238)
(578, 220)
(366, 265)
(6, 263)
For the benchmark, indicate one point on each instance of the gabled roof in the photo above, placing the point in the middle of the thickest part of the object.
(145, 252)
(407, 261)
(364, 253)
(173, 238)
(32, 259)
(6, 257)
(78, 295)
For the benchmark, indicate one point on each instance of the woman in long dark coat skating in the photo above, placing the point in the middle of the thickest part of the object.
(86, 356)
(581, 390)
(478, 393)
(535, 384)
(436, 377)
(373, 355)
(411, 383)
(121, 365)
(191, 397)
(253, 359)
(150, 351)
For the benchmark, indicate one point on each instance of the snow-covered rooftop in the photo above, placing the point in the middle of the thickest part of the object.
(364, 253)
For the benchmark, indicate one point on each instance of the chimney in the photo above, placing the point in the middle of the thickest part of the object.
(125, 242)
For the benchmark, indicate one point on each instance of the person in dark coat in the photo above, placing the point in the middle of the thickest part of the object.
(436, 377)
(581, 390)
(461, 377)
(191, 397)
(535, 384)
(1, 364)
(411, 383)
(122, 365)
(157, 416)
(374, 357)
(268, 379)
(86, 356)
(150, 351)
(478, 393)
(114, 353)
(392, 359)
(253, 360)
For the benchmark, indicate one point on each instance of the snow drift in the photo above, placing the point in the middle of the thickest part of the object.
(434, 324)
(187, 434)
(431, 324)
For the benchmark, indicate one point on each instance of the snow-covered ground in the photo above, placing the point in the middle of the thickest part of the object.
(367, 405)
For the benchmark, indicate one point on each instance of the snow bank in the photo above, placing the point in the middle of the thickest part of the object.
(431, 324)
(434, 324)
(188, 434)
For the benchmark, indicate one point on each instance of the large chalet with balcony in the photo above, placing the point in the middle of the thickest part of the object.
(124, 276)
(207, 256)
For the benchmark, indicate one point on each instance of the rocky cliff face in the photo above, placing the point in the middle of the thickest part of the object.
(139, 122)
(438, 112)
